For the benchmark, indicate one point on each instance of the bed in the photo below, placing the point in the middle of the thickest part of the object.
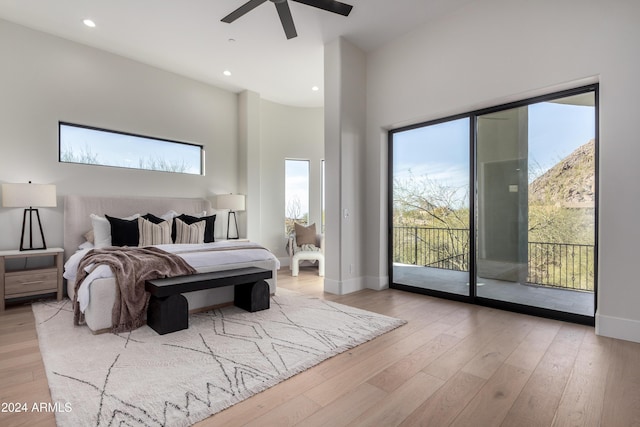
(101, 291)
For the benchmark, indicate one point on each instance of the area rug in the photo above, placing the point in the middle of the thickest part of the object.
(141, 378)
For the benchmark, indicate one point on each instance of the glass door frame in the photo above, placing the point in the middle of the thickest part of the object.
(471, 202)
(472, 297)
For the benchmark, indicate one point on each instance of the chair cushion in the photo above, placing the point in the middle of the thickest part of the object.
(305, 235)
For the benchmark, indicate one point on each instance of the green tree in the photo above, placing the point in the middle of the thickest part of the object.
(431, 222)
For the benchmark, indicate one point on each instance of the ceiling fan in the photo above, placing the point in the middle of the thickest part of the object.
(282, 6)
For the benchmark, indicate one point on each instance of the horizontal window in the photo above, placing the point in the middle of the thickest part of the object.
(92, 146)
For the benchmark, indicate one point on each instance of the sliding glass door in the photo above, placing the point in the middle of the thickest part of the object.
(516, 226)
(536, 204)
(431, 207)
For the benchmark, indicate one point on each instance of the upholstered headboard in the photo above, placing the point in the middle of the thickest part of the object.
(78, 208)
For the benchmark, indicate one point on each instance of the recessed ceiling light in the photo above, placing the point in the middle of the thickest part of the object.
(89, 23)
(226, 73)
(315, 88)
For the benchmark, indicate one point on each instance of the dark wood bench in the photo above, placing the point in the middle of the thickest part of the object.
(169, 311)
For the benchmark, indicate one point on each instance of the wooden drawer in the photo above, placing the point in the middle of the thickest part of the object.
(24, 283)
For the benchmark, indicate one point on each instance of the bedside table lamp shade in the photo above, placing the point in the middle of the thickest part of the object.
(29, 196)
(233, 202)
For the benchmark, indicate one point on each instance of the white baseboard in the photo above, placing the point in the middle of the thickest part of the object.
(352, 285)
(377, 283)
(345, 287)
(332, 286)
(356, 284)
(616, 327)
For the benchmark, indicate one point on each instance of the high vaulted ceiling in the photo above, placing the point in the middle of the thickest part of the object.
(187, 37)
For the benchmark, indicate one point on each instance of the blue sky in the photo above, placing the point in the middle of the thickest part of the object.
(556, 130)
(297, 183)
(114, 149)
(442, 151)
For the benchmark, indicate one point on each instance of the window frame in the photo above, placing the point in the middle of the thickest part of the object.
(322, 194)
(62, 124)
(286, 217)
(473, 116)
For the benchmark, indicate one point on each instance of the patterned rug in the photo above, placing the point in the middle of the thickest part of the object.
(227, 355)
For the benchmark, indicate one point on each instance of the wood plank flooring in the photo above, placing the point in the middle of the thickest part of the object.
(452, 364)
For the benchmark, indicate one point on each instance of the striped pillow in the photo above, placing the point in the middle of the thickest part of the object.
(189, 233)
(153, 234)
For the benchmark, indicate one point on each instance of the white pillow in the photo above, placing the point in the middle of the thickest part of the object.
(102, 230)
(86, 245)
(169, 216)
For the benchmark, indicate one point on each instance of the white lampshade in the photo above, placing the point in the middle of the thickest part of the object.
(233, 202)
(28, 195)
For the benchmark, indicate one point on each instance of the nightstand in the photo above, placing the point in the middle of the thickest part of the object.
(30, 281)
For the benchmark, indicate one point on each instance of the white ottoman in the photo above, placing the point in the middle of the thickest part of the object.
(307, 256)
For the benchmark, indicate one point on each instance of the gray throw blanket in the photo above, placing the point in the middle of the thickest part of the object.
(131, 268)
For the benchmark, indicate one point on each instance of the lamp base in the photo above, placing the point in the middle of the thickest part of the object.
(24, 221)
(235, 220)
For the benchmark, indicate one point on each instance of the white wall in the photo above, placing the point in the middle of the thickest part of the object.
(494, 51)
(287, 133)
(44, 79)
(250, 165)
(345, 114)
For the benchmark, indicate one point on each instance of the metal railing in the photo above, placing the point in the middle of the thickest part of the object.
(560, 265)
(446, 248)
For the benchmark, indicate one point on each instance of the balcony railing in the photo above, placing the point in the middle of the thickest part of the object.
(446, 248)
(559, 265)
(562, 265)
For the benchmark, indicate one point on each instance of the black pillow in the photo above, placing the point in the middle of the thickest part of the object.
(209, 228)
(154, 219)
(124, 232)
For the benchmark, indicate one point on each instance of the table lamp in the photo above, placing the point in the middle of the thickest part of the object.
(29, 196)
(233, 202)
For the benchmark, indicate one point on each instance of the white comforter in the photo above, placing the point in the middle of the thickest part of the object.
(196, 255)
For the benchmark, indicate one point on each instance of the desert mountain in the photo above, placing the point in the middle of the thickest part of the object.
(570, 183)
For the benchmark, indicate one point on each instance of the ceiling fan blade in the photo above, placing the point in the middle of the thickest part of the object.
(245, 8)
(329, 5)
(286, 19)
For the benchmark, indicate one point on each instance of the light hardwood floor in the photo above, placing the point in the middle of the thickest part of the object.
(452, 364)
